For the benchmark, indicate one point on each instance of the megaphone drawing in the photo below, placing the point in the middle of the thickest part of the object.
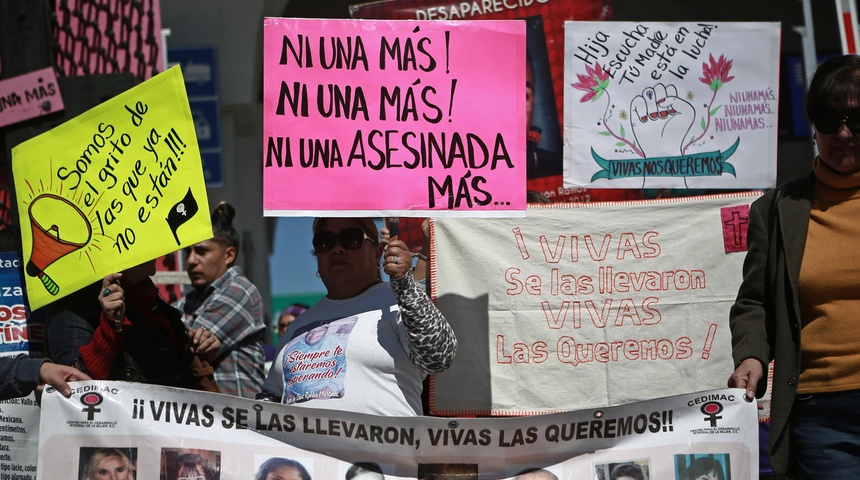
(59, 228)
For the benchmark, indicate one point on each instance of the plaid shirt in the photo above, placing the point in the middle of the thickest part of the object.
(232, 309)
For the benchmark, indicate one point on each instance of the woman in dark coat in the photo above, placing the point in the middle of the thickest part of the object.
(800, 295)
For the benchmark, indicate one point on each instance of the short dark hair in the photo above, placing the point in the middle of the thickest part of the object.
(629, 469)
(185, 461)
(835, 84)
(275, 463)
(362, 467)
(704, 466)
(187, 469)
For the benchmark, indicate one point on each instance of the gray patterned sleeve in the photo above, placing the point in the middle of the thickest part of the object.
(432, 343)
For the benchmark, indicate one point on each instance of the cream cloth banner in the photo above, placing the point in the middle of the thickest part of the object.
(235, 438)
(585, 305)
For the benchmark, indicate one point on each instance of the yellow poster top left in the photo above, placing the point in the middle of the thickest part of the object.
(112, 188)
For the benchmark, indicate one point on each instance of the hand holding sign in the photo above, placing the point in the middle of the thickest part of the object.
(112, 299)
(397, 259)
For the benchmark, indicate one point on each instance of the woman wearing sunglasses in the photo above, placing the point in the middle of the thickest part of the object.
(800, 294)
(367, 345)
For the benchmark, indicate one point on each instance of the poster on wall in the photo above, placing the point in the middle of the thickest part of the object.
(542, 121)
(582, 305)
(159, 432)
(671, 105)
(365, 117)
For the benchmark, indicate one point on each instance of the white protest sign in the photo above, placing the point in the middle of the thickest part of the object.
(671, 105)
(581, 305)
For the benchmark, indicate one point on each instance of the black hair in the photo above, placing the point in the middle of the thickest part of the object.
(836, 83)
(222, 226)
(627, 470)
(185, 461)
(704, 466)
(275, 463)
(362, 467)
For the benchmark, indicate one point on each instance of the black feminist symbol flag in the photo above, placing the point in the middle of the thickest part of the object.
(181, 213)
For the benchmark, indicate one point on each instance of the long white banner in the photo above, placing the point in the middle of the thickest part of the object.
(581, 305)
(152, 432)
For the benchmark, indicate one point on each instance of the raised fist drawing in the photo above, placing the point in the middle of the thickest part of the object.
(661, 120)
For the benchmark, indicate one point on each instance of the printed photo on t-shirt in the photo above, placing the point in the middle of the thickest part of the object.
(314, 362)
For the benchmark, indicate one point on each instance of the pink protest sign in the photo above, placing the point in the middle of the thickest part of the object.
(29, 96)
(408, 118)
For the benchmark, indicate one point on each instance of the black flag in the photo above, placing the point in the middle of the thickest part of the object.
(181, 213)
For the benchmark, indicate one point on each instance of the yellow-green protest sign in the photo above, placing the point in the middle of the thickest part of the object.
(112, 188)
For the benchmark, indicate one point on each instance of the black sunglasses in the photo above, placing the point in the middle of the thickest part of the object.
(350, 239)
(828, 122)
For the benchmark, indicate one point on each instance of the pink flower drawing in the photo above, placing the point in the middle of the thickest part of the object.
(594, 82)
(717, 73)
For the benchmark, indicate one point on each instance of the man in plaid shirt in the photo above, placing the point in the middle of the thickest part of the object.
(226, 303)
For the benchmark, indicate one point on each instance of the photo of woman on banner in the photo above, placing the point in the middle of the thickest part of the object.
(710, 467)
(630, 470)
(386, 337)
(107, 463)
(279, 468)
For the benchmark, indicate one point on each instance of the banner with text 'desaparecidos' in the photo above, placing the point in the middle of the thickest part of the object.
(402, 118)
